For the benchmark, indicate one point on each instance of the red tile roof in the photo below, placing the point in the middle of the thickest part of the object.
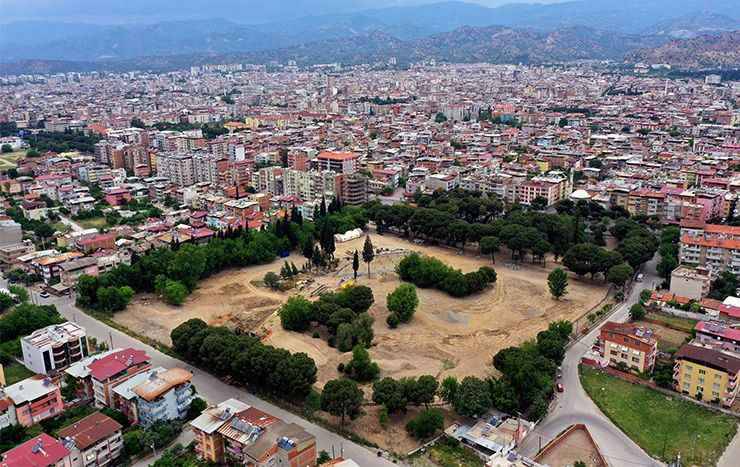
(41, 451)
(116, 362)
(91, 429)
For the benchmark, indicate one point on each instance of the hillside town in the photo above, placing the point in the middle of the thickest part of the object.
(524, 230)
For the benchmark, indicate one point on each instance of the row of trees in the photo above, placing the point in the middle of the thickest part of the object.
(343, 313)
(426, 272)
(245, 359)
(174, 272)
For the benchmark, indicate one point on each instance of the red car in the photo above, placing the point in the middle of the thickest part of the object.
(560, 387)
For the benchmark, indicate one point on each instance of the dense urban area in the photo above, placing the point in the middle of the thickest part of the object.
(431, 265)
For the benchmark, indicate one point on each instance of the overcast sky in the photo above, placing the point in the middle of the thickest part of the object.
(124, 11)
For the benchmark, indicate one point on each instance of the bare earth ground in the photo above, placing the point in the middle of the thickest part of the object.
(575, 447)
(448, 336)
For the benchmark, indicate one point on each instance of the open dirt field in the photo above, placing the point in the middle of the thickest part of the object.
(448, 336)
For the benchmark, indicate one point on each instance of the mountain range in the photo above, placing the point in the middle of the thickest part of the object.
(449, 31)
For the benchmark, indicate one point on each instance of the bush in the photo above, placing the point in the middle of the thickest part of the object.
(175, 293)
(392, 321)
(361, 368)
(402, 302)
(426, 423)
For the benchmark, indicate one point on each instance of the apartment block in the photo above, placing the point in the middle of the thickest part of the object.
(715, 247)
(339, 162)
(693, 283)
(54, 348)
(237, 434)
(94, 441)
(113, 369)
(707, 373)
(34, 399)
(164, 396)
(633, 346)
(177, 168)
(40, 451)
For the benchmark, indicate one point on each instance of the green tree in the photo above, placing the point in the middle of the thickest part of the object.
(390, 393)
(426, 423)
(448, 389)
(272, 280)
(403, 302)
(368, 253)
(355, 263)
(637, 312)
(425, 388)
(472, 397)
(361, 368)
(6, 148)
(345, 337)
(666, 266)
(20, 293)
(341, 398)
(619, 274)
(296, 314)
(174, 293)
(557, 282)
(490, 246)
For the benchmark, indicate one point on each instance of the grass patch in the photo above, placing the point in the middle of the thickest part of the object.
(16, 372)
(663, 426)
(93, 223)
(450, 453)
(674, 322)
(10, 160)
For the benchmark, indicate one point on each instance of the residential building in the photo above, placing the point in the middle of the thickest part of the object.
(707, 373)
(718, 334)
(164, 396)
(54, 348)
(238, 434)
(177, 168)
(94, 441)
(208, 442)
(339, 162)
(629, 346)
(113, 369)
(34, 399)
(693, 283)
(40, 451)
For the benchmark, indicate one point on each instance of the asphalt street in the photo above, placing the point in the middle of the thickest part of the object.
(574, 405)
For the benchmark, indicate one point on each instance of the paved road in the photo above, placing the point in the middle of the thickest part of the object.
(574, 405)
(74, 225)
(211, 388)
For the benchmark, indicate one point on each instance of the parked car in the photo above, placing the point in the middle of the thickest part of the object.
(560, 387)
(44, 294)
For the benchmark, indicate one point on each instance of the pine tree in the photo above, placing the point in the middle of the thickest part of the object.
(368, 253)
(356, 263)
(557, 282)
(308, 251)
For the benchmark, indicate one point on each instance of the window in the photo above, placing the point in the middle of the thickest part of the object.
(702, 372)
(636, 359)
